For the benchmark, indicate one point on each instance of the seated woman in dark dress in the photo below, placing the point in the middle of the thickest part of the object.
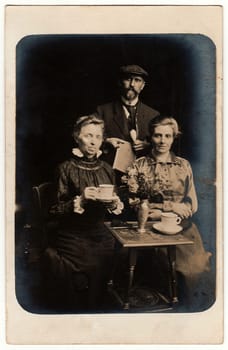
(165, 181)
(83, 247)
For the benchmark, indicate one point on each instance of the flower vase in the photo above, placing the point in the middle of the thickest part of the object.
(142, 216)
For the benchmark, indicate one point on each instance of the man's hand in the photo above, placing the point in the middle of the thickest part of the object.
(115, 141)
(139, 145)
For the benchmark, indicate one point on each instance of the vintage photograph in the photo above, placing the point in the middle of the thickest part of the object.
(116, 155)
(110, 155)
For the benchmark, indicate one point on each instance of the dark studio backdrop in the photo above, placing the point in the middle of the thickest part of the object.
(61, 77)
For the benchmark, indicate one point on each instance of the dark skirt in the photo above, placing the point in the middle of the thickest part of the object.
(82, 259)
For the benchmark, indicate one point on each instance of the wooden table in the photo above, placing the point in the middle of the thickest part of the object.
(129, 238)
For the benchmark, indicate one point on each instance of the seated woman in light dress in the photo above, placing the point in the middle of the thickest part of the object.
(82, 252)
(166, 182)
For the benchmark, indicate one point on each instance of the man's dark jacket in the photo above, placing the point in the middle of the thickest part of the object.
(116, 121)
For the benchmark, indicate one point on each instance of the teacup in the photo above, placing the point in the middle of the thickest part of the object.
(170, 219)
(105, 191)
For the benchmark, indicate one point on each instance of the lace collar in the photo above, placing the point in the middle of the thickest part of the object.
(77, 152)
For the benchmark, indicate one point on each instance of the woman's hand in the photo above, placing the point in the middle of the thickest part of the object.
(115, 206)
(90, 193)
(79, 201)
(155, 214)
(112, 205)
(182, 210)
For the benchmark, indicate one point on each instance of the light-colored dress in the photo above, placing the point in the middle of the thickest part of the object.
(164, 184)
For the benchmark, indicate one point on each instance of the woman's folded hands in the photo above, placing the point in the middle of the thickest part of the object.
(182, 210)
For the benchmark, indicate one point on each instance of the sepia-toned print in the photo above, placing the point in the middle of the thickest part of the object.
(60, 92)
(115, 178)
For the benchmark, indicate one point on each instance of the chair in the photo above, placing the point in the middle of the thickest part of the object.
(44, 196)
(43, 225)
(45, 228)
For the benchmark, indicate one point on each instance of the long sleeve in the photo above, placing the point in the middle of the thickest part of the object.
(190, 195)
(64, 197)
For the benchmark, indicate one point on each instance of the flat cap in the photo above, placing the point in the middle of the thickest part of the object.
(133, 69)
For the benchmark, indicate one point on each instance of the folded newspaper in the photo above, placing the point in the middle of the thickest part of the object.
(124, 157)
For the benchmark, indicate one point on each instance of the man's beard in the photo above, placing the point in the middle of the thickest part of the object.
(130, 94)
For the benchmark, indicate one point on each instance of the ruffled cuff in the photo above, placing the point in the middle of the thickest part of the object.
(78, 206)
(118, 209)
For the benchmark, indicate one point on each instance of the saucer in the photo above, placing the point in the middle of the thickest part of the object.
(105, 199)
(171, 230)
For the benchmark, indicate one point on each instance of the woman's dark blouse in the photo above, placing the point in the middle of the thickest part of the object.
(73, 176)
(82, 243)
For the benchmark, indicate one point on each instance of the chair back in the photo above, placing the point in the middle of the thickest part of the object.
(44, 196)
(44, 227)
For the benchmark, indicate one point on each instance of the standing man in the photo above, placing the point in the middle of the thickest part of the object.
(127, 119)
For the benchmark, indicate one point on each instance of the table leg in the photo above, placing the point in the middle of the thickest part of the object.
(173, 278)
(117, 248)
(132, 264)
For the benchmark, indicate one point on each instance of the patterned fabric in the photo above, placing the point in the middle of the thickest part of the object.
(162, 182)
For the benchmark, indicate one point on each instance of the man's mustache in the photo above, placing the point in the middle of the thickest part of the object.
(130, 89)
